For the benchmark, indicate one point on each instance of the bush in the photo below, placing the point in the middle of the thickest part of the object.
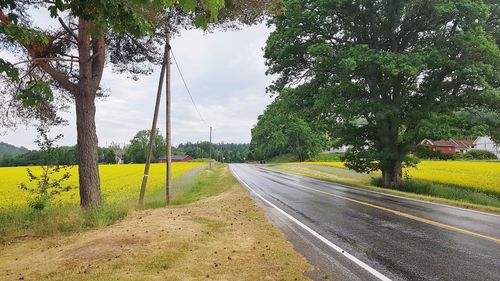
(425, 152)
(476, 155)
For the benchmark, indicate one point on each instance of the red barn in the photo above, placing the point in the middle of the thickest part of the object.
(176, 158)
(450, 146)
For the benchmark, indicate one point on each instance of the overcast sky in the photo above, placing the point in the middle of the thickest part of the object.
(225, 72)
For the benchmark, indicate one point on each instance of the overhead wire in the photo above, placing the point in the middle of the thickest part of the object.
(187, 89)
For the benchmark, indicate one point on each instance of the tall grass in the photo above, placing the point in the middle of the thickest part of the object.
(450, 192)
(208, 183)
(18, 222)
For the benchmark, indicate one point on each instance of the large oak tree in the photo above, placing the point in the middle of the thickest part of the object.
(374, 70)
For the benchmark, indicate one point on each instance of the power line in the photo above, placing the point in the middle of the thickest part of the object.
(187, 89)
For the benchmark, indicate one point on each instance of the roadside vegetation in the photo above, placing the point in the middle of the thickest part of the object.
(476, 176)
(120, 188)
(467, 184)
(214, 232)
(381, 78)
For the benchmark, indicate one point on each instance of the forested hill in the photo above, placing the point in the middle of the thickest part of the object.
(8, 149)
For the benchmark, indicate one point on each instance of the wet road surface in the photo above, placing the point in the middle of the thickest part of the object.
(354, 234)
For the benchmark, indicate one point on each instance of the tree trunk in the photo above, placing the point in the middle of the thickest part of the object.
(391, 175)
(88, 169)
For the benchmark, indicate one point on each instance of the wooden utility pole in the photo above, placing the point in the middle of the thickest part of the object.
(210, 149)
(169, 123)
(152, 134)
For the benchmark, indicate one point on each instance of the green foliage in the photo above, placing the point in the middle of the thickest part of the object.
(461, 124)
(10, 71)
(232, 152)
(50, 183)
(137, 150)
(279, 131)
(328, 157)
(18, 33)
(372, 73)
(36, 93)
(475, 155)
(110, 157)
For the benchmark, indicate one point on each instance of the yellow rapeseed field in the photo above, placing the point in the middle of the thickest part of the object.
(118, 182)
(470, 174)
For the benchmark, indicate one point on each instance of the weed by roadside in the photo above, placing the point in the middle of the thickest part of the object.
(446, 191)
(18, 222)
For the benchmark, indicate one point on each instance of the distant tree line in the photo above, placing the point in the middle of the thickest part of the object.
(134, 152)
(64, 155)
(222, 152)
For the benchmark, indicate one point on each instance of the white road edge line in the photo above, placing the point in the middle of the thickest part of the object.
(317, 235)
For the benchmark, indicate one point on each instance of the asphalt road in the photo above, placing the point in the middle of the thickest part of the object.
(354, 234)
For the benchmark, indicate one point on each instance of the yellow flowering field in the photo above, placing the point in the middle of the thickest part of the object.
(471, 174)
(118, 182)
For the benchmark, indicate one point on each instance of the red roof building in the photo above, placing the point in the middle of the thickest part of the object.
(450, 146)
(176, 158)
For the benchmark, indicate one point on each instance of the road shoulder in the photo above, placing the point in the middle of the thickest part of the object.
(224, 237)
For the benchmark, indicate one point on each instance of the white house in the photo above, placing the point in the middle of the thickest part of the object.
(486, 143)
(341, 149)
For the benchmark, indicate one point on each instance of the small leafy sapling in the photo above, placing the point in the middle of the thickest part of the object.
(44, 186)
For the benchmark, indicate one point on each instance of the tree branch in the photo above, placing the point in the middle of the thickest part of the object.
(69, 30)
(44, 59)
(37, 48)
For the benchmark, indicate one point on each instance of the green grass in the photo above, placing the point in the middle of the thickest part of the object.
(455, 193)
(21, 222)
(17, 222)
(322, 157)
(207, 183)
(418, 189)
(327, 157)
(284, 158)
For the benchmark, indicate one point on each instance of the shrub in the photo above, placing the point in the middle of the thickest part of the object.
(52, 180)
(476, 155)
(425, 152)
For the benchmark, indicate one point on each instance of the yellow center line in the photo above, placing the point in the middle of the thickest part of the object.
(435, 223)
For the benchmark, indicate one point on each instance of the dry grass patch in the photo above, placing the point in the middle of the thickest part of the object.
(224, 237)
